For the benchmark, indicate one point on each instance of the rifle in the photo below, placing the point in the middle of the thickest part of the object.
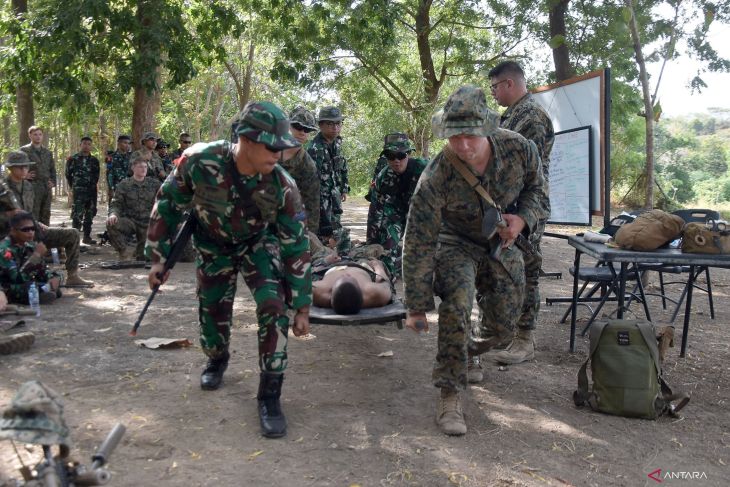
(178, 247)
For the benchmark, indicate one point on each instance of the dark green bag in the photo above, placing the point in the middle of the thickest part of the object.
(626, 374)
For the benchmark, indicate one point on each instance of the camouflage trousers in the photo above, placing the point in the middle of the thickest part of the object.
(124, 228)
(42, 197)
(391, 238)
(69, 240)
(460, 270)
(330, 221)
(83, 211)
(261, 267)
(531, 303)
(374, 225)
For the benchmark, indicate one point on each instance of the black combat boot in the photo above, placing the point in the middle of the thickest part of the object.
(273, 422)
(212, 375)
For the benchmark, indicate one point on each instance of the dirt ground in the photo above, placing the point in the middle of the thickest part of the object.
(355, 418)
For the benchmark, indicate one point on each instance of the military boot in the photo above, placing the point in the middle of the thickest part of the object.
(273, 422)
(520, 350)
(474, 372)
(19, 342)
(449, 416)
(73, 279)
(88, 240)
(212, 375)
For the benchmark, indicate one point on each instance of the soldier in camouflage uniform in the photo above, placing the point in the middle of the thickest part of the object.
(326, 151)
(155, 168)
(67, 238)
(526, 117)
(250, 219)
(43, 175)
(165, 157)
(299, 164)
(374, 209)
(445, 252)
(82, 175)
(129, 211)
(394, 187)
(117, 164)
(21, 263)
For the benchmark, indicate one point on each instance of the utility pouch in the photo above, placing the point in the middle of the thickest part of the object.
(490, 222)
(710, 238)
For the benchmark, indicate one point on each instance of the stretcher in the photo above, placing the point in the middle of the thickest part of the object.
(393, 312)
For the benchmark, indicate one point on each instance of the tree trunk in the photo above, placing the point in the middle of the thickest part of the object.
(246, 91)
(6, 131)
(431, 81)
(24, 91)
(146, 96)
(561, 55)
(648, 108)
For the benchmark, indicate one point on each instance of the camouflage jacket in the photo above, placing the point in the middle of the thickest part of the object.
(394, 191)
(12, 257)
(154, 163)
(166, 163)
(302, 169)
(228, 222)
(45, 167)
(176, 153)
(379, 165)
(444, 208)
(134, 199)
(331, 164)
(8, 202)
(23, 193)
(530, 120)
(117, 168)
(82, 173)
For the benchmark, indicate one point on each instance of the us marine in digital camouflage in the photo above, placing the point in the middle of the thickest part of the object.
(299, 164)
(250, 219)
(155, 169)
(43, 175)
(445, 252)
(394, 186)
(326, 151)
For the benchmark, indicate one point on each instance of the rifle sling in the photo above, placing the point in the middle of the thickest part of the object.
(468, 176)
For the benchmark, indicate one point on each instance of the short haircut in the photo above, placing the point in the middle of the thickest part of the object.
(124, 137)
(346, 296)
(137, 160)
(20, 217)
(183, 134)
(509, 68)
(86, 137)
(33, 128)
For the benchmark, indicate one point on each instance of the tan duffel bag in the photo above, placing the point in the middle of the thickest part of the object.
(649, 231)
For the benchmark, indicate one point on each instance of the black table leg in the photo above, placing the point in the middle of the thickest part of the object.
(687, 309)
(574, 304)
(621, 290)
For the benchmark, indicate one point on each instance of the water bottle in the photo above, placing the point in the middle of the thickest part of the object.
(34, 298)
(54, 256)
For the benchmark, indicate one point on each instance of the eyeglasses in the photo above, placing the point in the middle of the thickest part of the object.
(493, 86)
(26, 229)
(302, 128)
(395, 155)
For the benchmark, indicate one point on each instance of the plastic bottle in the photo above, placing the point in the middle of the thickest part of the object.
(34, 298)
(54, 256)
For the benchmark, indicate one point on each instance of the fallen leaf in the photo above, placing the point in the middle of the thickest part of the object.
(156, 342)
(389, 353)
(253, 456)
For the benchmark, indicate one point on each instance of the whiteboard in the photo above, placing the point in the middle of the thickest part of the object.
(581, 102)
(571, 177)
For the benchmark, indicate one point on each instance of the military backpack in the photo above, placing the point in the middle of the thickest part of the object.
(626, 373)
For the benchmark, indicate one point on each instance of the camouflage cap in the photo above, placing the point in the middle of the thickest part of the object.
(35, 416)
(148, 136)
(265, 123)
(330, 114)
(397, 141)
(17, 158)
(303, 117)
(465, 112)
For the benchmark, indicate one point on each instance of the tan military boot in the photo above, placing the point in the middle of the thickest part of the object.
(520, 350)
(449, 415)
(474, 372)
(73, 279)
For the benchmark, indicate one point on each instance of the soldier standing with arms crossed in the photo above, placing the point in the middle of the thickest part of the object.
(82, 175)
(250, 219)
(445, 252)
(43, 175)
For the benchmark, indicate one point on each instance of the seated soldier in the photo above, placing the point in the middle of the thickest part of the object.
(68, 239)
(21, 263)
(129, 211)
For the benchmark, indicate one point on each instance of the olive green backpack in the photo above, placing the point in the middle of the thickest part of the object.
(626, 374)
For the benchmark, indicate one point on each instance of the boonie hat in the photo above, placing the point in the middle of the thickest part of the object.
(35, 416)
(330, 114)
(18, 158)
(148, 136)
(303, 117)
(265, 123)
(465, 112)
(397, 141)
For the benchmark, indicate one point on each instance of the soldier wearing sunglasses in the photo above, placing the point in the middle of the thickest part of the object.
(299, 164)
(392, 192)
(185, 141)
(326, 151)
(249, 220)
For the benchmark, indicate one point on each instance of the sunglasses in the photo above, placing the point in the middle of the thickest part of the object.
(272, 149)
(302, 128)
(26, 229)
(395, 155)
(186, 141)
